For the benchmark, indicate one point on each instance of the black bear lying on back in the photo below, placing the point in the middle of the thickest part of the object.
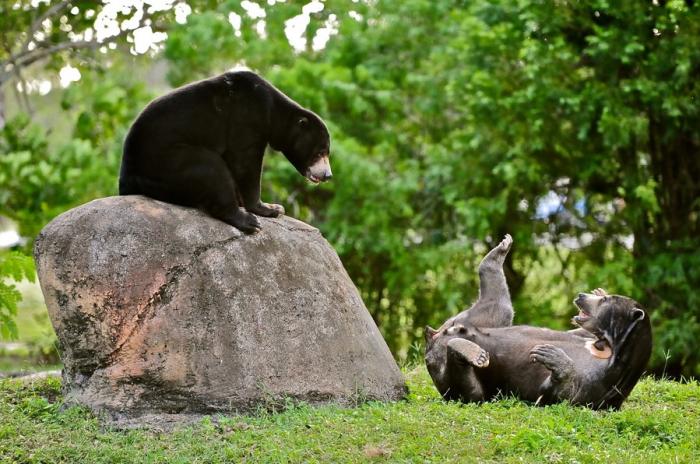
(202, 145)
(478, 354)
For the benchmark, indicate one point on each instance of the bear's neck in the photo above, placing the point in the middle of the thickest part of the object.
(280, 118)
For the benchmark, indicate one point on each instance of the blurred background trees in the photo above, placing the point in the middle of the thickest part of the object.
(574, 127)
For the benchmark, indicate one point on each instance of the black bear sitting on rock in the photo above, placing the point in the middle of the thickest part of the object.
(202, 145)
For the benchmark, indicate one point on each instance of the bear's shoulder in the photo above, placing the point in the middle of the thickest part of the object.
(244, 77)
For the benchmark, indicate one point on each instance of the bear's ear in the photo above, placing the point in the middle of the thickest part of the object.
(303, 121)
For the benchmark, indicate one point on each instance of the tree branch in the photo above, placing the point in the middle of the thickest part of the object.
(38, 22)
(25, 57)
(37, 54)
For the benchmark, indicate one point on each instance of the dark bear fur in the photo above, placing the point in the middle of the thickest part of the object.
(202, 145)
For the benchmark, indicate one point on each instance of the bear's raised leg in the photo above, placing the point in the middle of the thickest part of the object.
(493, 308)
(246, 169)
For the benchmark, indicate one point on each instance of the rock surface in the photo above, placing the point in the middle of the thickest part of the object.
(162, 309)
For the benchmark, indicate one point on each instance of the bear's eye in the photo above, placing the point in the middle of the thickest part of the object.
(303, 121)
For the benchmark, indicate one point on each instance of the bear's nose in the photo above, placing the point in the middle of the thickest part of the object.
(327, 176)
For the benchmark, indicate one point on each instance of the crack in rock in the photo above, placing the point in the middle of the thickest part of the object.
(174, 272)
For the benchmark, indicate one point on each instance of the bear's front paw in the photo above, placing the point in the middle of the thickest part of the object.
(244, 222)
(267, 209)
(552, 357)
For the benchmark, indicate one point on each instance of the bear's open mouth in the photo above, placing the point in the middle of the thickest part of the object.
(582, 315)
(313, 178)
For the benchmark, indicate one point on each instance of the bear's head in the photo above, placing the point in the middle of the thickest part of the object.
(618, 323)
(307, 145)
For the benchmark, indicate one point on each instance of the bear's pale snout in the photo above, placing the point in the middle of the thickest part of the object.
(320, 171)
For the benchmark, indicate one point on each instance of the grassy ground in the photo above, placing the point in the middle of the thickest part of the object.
(659, 423)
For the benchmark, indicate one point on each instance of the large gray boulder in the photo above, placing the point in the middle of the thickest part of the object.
(162, 309)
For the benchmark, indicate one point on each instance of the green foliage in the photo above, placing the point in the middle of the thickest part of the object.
(14, 266)
(453, 123)
(659, 423)
(40, 183)
(43, 176)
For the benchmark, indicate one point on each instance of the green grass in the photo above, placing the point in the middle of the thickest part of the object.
(659, 423)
